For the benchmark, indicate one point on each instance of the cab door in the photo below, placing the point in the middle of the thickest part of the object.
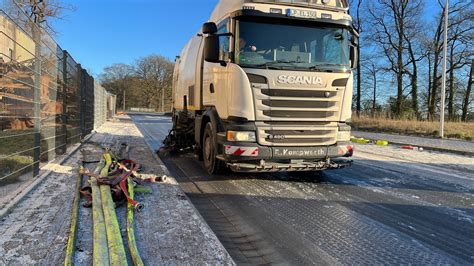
(216, 75)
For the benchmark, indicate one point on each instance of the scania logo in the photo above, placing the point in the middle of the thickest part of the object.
(302, 80)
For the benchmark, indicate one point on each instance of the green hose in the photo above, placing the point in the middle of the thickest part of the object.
(132, 245)
(68, 260)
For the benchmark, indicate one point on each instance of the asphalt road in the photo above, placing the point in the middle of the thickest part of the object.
(383, 210)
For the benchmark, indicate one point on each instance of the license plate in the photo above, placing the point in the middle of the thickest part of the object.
(301, 13)
(300, 152)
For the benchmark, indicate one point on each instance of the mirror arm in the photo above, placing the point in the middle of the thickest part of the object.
(224, 34)
(354, 31)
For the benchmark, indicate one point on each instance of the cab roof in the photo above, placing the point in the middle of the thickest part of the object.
(225, 7)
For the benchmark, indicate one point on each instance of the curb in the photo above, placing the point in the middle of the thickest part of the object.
(429, 148)
(363, 141)
(23, 192)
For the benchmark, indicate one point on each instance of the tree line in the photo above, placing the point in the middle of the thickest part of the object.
(147, 83)
(401, 52)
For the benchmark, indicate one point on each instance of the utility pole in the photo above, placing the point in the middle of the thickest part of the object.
(374, 106)
(443, 80)
(163, 100)
(124, 100)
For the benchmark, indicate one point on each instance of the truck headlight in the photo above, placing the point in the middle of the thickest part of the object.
(343, 136)
(248, 136)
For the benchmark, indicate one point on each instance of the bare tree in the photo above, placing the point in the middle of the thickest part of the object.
(118, 79)
(371, 71)
(437, 48)
(455, 10)
(155, 73)
(357, 5)
(467, 95)
(39, 12)
(460, 45)
(413, 38)
(392, 19)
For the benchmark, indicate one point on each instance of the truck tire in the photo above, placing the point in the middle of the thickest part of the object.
(209, 150)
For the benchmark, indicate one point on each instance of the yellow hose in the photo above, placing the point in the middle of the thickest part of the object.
(108, 162)
(100, 246)
(68, 260)
(114, 237)
(132, 245)
(108, 246)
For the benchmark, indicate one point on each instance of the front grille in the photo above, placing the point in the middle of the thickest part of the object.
(299, 114)
(297, 117)
(294, 134)
(298, 132)
(296, 123)
(298, 104)
(298, 93)
(316, 141)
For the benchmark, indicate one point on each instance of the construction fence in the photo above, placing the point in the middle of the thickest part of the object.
(48, 102)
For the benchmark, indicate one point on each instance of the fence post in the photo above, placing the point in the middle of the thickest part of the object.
(37, 99)
(65, 85)
(82, 97)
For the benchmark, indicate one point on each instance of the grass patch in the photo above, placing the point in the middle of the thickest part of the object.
(16, 141)
(11, 165)
(23, 141)
(455, 130)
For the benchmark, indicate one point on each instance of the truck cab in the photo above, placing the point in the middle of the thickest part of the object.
(267, 86)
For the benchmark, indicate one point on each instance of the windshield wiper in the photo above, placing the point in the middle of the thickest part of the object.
(272, 64)
(327, 66)
(264, 65)
(331, 65)
(315, 68)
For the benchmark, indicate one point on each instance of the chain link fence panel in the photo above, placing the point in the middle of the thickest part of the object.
(48, 102)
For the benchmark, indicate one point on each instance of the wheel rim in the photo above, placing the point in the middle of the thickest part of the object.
(207, 149)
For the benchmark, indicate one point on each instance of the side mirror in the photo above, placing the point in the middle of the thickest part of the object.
(353, 46)
(353, 56)
(211, 49)
(209, 28)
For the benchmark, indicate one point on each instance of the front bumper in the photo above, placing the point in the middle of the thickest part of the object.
(254, 157)
(239, 152)
(265, 166)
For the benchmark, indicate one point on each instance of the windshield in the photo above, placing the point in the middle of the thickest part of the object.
(286, 46)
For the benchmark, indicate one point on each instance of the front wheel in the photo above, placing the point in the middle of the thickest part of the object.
(209, 150)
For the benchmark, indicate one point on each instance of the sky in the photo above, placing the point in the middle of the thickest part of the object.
(99, 33)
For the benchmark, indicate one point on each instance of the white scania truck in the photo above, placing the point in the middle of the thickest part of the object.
(266, 85)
